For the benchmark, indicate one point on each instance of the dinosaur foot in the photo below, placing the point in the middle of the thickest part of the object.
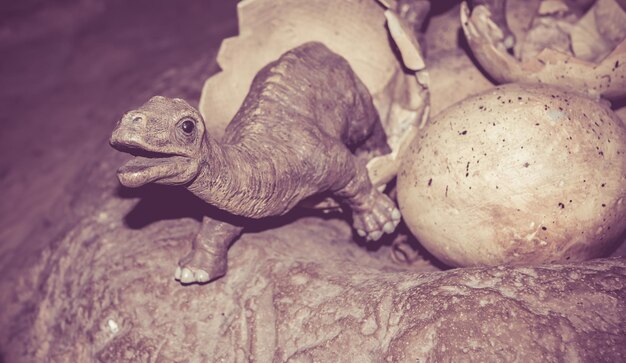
(200, 266)
(377, 216)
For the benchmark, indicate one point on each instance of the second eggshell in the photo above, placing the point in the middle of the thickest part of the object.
(518, 174)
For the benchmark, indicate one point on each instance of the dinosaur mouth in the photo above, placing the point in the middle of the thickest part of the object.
(148, 166)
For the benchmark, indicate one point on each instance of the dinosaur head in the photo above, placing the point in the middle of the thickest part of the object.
(166, 136)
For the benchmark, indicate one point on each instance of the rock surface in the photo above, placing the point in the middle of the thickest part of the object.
(95, 282)
(299, 292)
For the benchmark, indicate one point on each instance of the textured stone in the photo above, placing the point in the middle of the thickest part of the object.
(300, 291)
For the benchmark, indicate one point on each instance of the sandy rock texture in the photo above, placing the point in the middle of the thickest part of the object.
(88, 266)
(299, 291)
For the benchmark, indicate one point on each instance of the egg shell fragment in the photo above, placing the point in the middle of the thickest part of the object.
(519, 174)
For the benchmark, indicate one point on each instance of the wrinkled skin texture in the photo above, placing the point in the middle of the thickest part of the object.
(292, 138)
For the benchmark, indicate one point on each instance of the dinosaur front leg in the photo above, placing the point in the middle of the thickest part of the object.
(208, 257)
(373, 213)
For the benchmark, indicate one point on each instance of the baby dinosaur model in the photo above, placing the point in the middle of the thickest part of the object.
(293, 137)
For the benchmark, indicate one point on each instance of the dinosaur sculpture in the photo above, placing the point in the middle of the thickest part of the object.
(293, 137)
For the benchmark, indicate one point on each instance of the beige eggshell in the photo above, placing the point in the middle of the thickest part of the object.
(518, 174)
(606, 78)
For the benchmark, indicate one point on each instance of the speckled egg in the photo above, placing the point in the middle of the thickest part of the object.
(517, 174)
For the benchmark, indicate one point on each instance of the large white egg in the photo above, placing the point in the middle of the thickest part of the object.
(517, 174)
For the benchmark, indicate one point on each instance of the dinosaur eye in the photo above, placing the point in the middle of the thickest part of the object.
(187, 126)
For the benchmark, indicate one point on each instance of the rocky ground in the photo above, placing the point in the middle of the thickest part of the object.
(88, 266)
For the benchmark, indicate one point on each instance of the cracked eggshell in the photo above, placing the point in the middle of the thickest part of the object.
(518, 174)
(606, 78)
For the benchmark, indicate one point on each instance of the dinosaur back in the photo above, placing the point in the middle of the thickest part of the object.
(354, 29)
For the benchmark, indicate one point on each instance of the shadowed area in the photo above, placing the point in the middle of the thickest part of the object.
(69, 70)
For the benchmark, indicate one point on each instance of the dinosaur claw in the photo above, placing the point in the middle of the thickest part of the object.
(389, 227)
(200, 266)
(202, 276)
(186, 276)
(395, 215)
(381, 216)
(375, 235)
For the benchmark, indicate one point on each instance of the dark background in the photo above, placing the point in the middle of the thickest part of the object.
(68, 70)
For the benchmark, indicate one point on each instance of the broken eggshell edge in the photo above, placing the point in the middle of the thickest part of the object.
(604, 79)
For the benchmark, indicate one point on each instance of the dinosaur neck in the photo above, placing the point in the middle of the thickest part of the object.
(236, 180)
